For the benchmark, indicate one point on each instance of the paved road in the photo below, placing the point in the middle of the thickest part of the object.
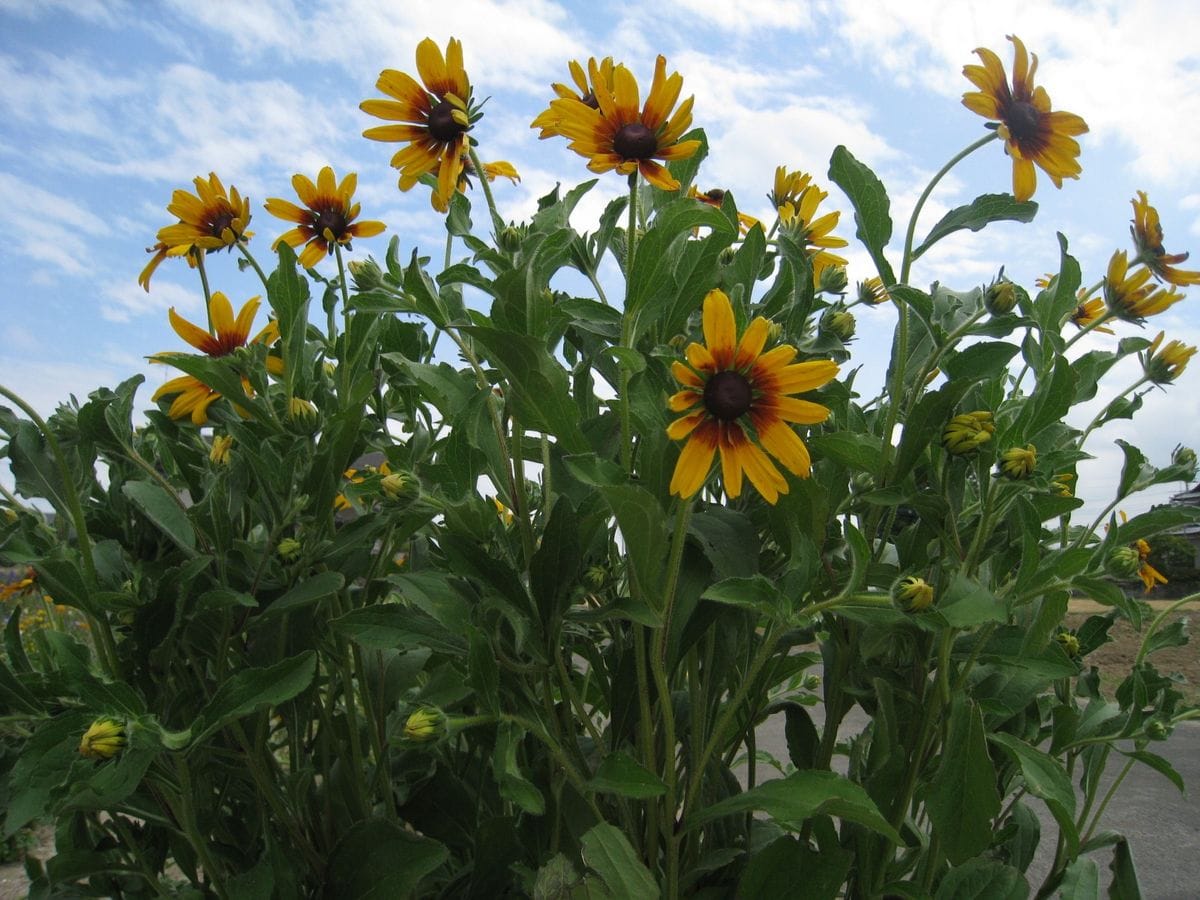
(1162, 825)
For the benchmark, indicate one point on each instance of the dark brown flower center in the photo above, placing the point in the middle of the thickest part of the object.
(1024, 120)
(441, 122)
(728, 395)
(589, 99)
(635, 141)
(332, 218)
(219, 222)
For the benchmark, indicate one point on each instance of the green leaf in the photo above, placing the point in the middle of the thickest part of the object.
(607, 852)
(1158, 764)
(513, 785)
(855, 450)
(967, 603)
(793, 800)
(772, 872)
(12, 642)
(619, 773)
(643, 529)
(45, 759)
(756, 594)
(554, 569)
(1045, 777)
(392, 626)
(1124, 884)
(983, 879)
(963, 799)
(980, 361)
(871, 206)
(728, 540)
(251, 689)
(288, 295)
(164, 511)
(979, 212)
(1081, 880)
(378, 860)
(320, 586)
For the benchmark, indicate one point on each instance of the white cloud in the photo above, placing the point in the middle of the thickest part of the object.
(54, 229)
(751, 15)
(122, 300)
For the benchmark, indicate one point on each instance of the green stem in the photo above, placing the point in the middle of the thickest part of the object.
(345, 356)
(192, 830)
(204, 284)
(1158, 620)
(1107, 798)
(262, 276)
(497, 222)
(1095, 423)
(627, 328)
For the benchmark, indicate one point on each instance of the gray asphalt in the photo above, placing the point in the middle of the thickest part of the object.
(1161, 824)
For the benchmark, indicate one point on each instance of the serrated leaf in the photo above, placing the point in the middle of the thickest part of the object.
(872, 212)
(980, 212)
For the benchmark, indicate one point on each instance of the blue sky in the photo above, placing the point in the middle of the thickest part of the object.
(107, 106)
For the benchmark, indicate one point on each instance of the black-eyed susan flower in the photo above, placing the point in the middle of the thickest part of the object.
(103, 740)
(1165, 365)
(160, 251)
(218, 451)
(1030, 131)
(585, 90)
(491, 171)
(800, 219)
(1018, 463)
(788, 187)
(1060, 484)
(735, 399)
(433, 117)
(619, 133)
(210, 219)
(1131, 296)
(1149, 575)
(715, 197)
(967, 432)
(1089, 311)
(328, 216)
(1069, 643)
(1148, 239)
(193, 397)
(872, 292)
(913, 594)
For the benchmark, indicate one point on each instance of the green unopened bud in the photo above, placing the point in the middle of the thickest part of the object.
(812, 682)
(288, 549)
(862, 483)
(839, 323)
(103, 740)
(727, 256)
(913, 594)
(1186, 457)
(510, 238)
(1019, 462)
(365, 273)
(596, 576)
(1123, 562)
(426, 724)
(10, 515)
(1157, 730)
(1068, 642)
(1000, 298)
(397, 486)
(966, 433)
(301, 410)
(832, 280)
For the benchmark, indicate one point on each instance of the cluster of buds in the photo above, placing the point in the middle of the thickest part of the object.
(913, 594)
(966, 433)
(1019, 462)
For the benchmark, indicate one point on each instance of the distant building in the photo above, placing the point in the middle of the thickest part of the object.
(1191, 533)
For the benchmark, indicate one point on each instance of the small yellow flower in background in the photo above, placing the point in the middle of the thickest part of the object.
(218, 453)
(434, 117)
(1150, 576)
(872, 292)
(601, 75)
(1030, 131)
(715, 197)
(1089, 311)
(161, 251)
(210, 219)
(800, 220)
(1019, 462)
(1069, 643)
(617, 134)
(505, 514)
(735, 399)
(1060, 484)
(328, 219)
(966, 433)
(229, 334)
(425, 725)
(1131, 296)
(1148, 239)
(19, 586)
(913, 594)
(288, 549)
(1165, 365)
(1044, 281)
(103, 739)
(301, 410)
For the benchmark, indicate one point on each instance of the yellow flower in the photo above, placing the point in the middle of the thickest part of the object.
(616, 134)
(505, 514)
(799, 218)
(1150, 576)
(210, 219)
(1148, 239)
(714, 198)
(194, 396)
(1164, 366)
(491, 171)
(218, 453)
(1030, 131)
(872, 291)
(1060, 484)
(425, 725)
(19, 586)
(1019, 462)
(601, 74)
(103, 739)
(913, 594)
(1089, 311)
(329, 218)
(1129, 296)
(1069, 643)
(161, 251)
(434, 117)
(789, 187)
(967, 432)
(735, 399)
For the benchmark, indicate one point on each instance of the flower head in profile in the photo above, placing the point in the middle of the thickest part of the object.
(432, 117)
(966, 433)
(218, 452)
(622, 134)
(424, 725)
(193, 396)
(491, 171)
(788, 187)
(328, 216)
(913, 594)
(715, 197)
(872, 292)
(1131, 296)
(1018, 463)
(1089, 311)
(103, 740)
(1162, 366)
(210, 219)
(1060, 484)
(735, 399)
(1148, 239)
(1030, 131)
(161, 251)
(801, 220)
(597, 78)
(1149, 575)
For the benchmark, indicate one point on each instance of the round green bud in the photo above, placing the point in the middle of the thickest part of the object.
(913, 594)
(1123, 562)
(426, 724)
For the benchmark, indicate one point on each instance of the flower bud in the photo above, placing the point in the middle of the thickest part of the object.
(812, 682)
(1001, 297)
(1060, 484)
(397, 486)
(510, 239)
(832, 280)
(862, 483)
(1123, 562)
(288, 549)
(426, 724)
(967, 432)
(872, 292)
(218, 453)
(103, 740)
(913, 594)
(1157, 730)
(1018, 463)
(301, 410)
(726, 256)
(1068, 642)
(365, 273)
(839, 323)
(1185, 456)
